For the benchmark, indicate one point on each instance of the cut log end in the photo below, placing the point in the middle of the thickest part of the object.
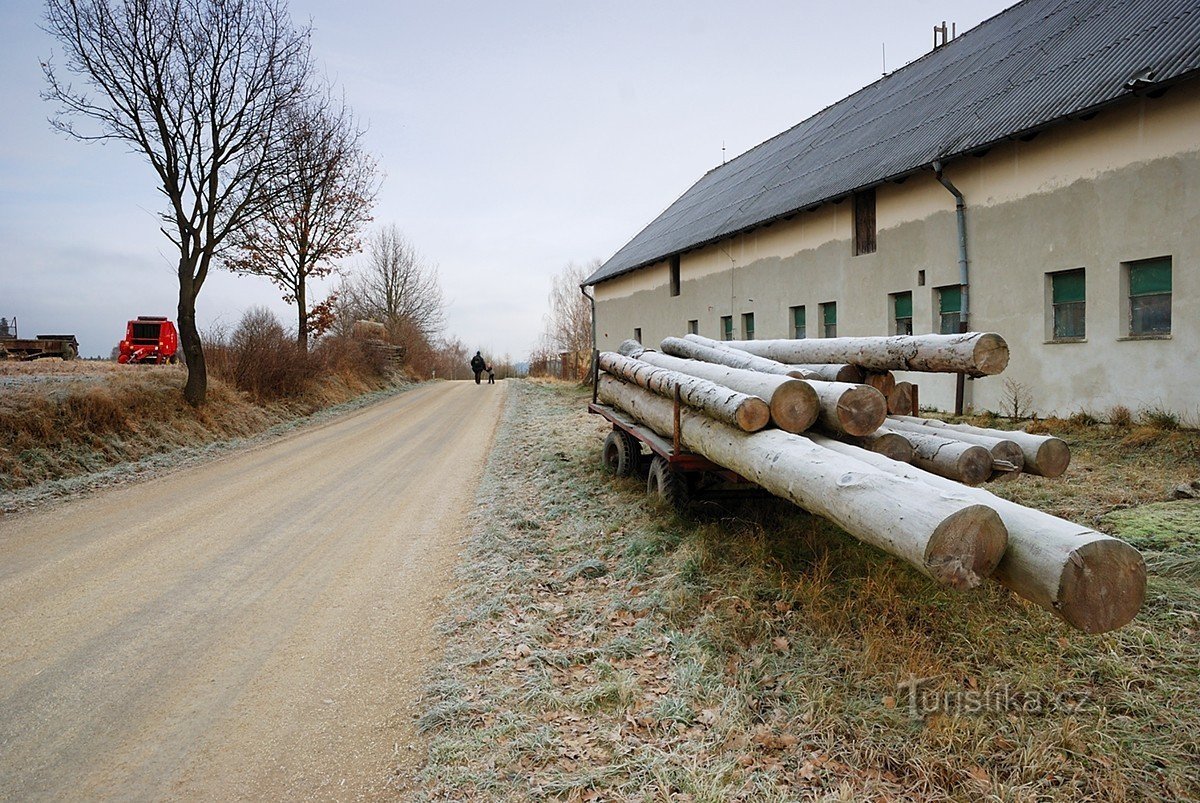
(974, 466)
(862, 410)
(991, 354)
(1009, 453)
(892, 446)
(966, 547)
(1103, 586)
(1053, 457)
(753, 415)
(795, 406)
(900, 399)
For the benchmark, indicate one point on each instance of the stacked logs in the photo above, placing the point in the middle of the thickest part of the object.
(815, 422)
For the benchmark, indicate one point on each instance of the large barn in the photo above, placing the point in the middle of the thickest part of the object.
(1037, 176)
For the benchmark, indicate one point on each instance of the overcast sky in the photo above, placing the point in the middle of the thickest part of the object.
(516, 137)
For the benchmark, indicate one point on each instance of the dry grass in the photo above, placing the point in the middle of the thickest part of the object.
(603, 648)
(69, 419)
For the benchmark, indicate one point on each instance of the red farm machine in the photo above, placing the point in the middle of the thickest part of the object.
(149, 339)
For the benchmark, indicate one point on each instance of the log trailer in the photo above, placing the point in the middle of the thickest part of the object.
(13, 347)
(149, 339)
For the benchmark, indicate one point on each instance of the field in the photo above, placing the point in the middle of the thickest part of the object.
(65, 421)
(601, 647)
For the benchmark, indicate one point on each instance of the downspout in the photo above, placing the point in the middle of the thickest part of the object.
(964, 315)
(594, 373)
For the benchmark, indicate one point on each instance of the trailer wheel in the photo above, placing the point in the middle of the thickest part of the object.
(621, 454)
(669, 485)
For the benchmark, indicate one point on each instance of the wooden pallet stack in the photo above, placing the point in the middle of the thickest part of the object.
(823, 423)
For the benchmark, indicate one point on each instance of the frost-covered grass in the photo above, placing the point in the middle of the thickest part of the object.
(102, 422)
(600, 647)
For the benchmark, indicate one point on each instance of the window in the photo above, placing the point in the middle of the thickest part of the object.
(675, 275)
(902, 313)
(1067, 300)
(637, 334)
(727, 327)
(920, 278)
(864, 222)
(747, 325)
(829, 319)
(1149, 297)
(798, 323)
(693, 327)
(949, 309)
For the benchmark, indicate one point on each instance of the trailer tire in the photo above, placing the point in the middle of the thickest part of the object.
(621, 454)
(669, 485)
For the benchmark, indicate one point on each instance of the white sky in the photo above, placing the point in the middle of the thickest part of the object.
(516, 137)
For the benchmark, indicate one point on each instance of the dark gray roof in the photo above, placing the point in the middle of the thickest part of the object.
(1038, 62)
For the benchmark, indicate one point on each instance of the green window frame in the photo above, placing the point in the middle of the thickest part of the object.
(1068, 299)
(747, 325)
(727, 327)
(799, 323)
(829, 319)
(1150, 290)
(902, 314)
(949, 309)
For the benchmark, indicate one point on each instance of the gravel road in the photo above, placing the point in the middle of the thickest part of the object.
(256, 627)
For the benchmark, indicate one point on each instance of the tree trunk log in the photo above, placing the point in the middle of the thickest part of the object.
(1007, 458)
(972, 353)
(967, 463)
(953, 542)
(891, 445)
(695, 347)
(882, 381)
(1093, 582)
(831, 372)
(747, 413)
(794, 403)
(1045, 455)
(900, 399)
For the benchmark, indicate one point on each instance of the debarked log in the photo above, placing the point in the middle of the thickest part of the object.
(954, 542)
(972, 353)
(1093, 581)
(747, 413)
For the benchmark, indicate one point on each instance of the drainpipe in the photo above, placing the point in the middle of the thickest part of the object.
(595, 368)
(960, 215)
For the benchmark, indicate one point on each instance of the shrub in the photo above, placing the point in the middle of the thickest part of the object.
(261, 358)
(1083, 418)
(1120, 417)
(1160, 419)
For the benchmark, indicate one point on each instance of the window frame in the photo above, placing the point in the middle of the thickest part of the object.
(826, 308)
(1058, 311)
(798, 332)
(866, 235)
(1132, 299)
(726, 327)
(693, 326)
(894, 308)
(674, 277)
(747, 326)
(942, 312)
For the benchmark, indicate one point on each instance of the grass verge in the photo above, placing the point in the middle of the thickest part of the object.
(600, 647)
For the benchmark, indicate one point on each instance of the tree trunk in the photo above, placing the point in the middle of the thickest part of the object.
(953, 542)
(1094, 582)
(748, 413)
(972, 353)
(196, 388)
(695, 347)
(1007, 458)
(900, 399)
(831, 373)
(302, 323)
(882, 381)
(794, 403)
(891, 445)
(967, 463)
(850, 409)
(1045, 455)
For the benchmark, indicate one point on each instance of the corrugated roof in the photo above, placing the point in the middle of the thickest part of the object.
(1038, 62)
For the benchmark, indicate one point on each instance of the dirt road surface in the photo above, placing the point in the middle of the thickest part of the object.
(252, 628)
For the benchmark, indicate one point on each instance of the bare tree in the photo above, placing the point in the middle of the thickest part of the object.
(568, 324)
(317, 200)
(198, 87)
(396, 287)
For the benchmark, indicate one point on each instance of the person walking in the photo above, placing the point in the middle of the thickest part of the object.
(491, 375)
(477, 366)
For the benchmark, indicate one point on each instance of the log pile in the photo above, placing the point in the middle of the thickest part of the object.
(824, 424)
